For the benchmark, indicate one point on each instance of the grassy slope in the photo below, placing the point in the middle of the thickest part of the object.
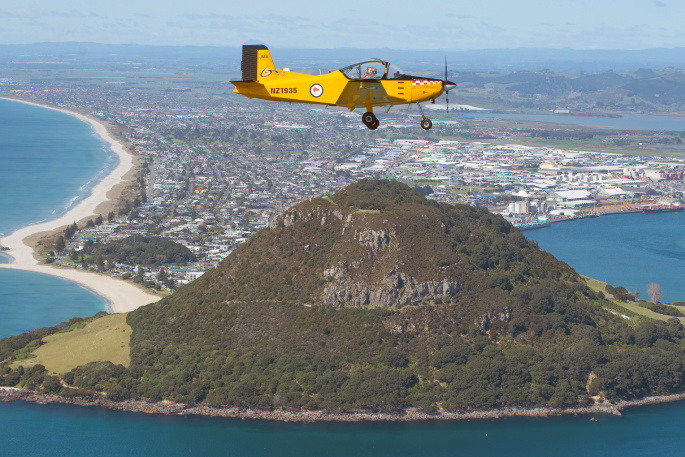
(598, 286)
(104, 339)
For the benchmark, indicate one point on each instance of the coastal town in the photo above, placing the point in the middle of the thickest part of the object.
(216, 170)
(288, 229)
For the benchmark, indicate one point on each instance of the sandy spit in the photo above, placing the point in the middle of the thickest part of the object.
(122, 296)
(318, 416)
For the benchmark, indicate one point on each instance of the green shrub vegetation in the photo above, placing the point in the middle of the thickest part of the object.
(524, 329)
(662, 309)
(143, 250)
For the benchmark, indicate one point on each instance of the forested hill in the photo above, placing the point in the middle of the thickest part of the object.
(376, 298)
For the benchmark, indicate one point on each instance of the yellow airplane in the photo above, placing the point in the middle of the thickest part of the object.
(374, 83)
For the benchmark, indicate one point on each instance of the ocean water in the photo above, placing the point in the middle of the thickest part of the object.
(628, 250)
(627, 122)
(48, 162)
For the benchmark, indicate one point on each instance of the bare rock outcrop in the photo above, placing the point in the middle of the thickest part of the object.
(395, 289)
(488, 318)
(373, 239)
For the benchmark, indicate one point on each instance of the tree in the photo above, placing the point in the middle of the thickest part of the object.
(90, 223)
(98, 220)
(162, 275)
(70, 231)
(140, 275)
(654, 291)
(110, 216)
(100, 262)
(60, 244)
(51, 384)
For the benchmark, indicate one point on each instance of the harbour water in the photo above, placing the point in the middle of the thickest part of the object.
(626, 122)
(633, 243)
(624, 250)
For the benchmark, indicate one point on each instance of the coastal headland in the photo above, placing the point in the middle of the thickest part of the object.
(122, 296)
(414, 414)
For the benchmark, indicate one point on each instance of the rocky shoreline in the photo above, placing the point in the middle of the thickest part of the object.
(170, 408)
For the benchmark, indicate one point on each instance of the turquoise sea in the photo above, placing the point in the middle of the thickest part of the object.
(632, 245)
(48, 163)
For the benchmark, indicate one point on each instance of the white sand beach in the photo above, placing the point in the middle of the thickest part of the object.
(122, 296)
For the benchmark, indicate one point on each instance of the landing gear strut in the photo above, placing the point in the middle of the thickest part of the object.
(370, 120)
(426, 123)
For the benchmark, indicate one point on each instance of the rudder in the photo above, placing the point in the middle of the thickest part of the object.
(257, 63)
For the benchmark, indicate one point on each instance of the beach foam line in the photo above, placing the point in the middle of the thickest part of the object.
(122, 296)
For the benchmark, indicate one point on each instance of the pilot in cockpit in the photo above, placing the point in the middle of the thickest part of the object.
(370, 73)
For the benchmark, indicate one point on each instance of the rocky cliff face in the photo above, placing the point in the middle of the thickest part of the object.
(372, 272)
(395, 289)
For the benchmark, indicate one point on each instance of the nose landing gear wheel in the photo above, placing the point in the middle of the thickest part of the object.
(368, 118)
(426, 124)
(374, 125)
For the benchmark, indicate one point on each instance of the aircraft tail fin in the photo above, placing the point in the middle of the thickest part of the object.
(257, 63)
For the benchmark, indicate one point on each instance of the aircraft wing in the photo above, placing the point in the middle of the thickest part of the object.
(375, 92)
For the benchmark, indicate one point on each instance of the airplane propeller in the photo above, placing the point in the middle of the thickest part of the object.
(447, 85)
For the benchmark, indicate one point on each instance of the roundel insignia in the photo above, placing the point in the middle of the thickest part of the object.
(316, 90)
(266, 72)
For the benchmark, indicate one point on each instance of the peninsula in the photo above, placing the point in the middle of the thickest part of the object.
(373, 302)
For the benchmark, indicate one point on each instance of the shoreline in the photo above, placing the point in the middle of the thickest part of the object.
(121, 296)
(409, 415)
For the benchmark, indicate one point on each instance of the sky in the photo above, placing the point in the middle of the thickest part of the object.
(397, 24)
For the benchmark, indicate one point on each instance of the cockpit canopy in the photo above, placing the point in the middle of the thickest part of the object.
(373, 69)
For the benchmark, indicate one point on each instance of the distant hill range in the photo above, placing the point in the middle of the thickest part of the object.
(582, 81)
(378, 299)
(228, 57)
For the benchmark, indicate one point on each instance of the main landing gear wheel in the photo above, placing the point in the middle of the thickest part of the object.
(368, 118)
(426, 124)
